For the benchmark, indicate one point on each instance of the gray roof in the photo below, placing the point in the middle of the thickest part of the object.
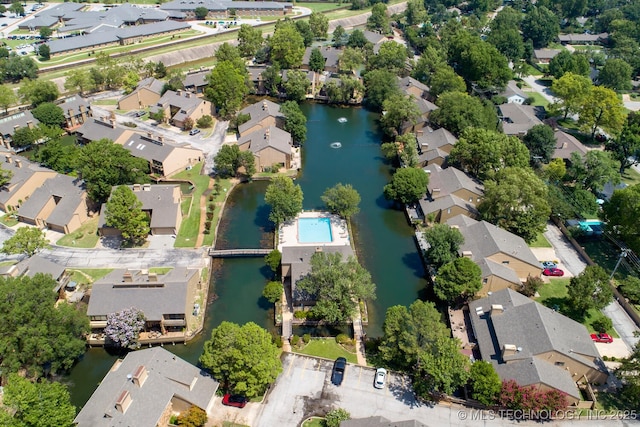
(444, 203)
(582, 38)
(196, 79)
(221, 5)
(258, 112)
(20, 174)
(484, 239)
(39, 21)
(186, 102)
(330, 54)
(512, 89)
(151, 83)
(255, 73)
(271, 136)
(407, 83)
(492, 268)
(424, 106)
(150, 148)
(567, 144)
(535, 330)
(67, 192)
(95, 129)
(517, 119)
(447, 181)
(74, 103)
(8, 123)
(431, 141)
(169, 377)
(545, 53)
(374, 38)
(39, 265)
(168, 295)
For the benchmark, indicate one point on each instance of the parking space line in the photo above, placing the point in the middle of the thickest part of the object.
(360, 374)
(290, 366)
(304, 367)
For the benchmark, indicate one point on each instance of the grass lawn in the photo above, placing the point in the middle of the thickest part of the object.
(323, 6)
(8, 220)
(84, 237)
(7, 263)
(538, 99)
(160, 270)
(106, 102)
(225, 185)
(540, 242)
(230, 424)
(314, 422)
(86, 276)
(327, 348)
(188, 233)
(631, 177)
(554, 295)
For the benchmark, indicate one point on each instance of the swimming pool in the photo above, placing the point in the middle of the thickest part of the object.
(591, 226)
(314, 230)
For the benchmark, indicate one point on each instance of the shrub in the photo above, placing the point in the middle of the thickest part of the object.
(193, 417)
(211, 197)
(205, 121)
(211, 206)
(207, 225)
(130, 124)
(603, 324)
(209, 215)
(499, 100)
(272, 291)
(278, 340)
(343, 339)
(300, 314)
(123, 328)
(295, 340)
(188, 124)
(306, 338)
(335, 417)
(531, 286)
(530, 100)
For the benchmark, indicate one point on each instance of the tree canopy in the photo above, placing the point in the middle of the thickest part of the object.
(124, 212)
(408, 185)
(249, 40)
(589, 289)
(49, 114)
(602, 109)
(616, 74)
(541, 142)
(227, 86)
(295, 122)
(459, 278)
(319, 24)
(38, 91)
(379, 86)
(336, 286)
(230, 159)
(287, 46)
(342, 199)
(478, 62)
(399, 109)
(594, 170)
(541, 26)
(572, 90)
(459, 111)
(26, 240)
(625, 148)
(485, 382)
(444, 243)
(621, 213)
(296, 85)
(567, 62)
(243, 358)
(285, 199)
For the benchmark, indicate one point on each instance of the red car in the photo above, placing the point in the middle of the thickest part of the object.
(234, 400)
(553, 272)
(602, 338)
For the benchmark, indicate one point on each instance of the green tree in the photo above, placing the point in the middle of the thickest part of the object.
(379, 20)
(572, 90)
(273, 291)
(445, 79)
(17, 68)
(516, 200)
(192, 417)
(205, 121)
(408, 185)
(44, 51)
(342, 200)
(42, 404)
(379, 85)
(541, 142)
(243, 358)
(483, 152)
(399, 109)
(343, 91)
(621, 213)
(295, 122)
(230, 159)
(616, 74)
(628, 373)
(78, 79)
(541, 26)
(630, 288)
(625, 148)
(391, 56)
(350, 60)
(17, 8)
(335, 417)
(201, 12)
(479, 62)
(49, 114)
(444, 244)
(272, 80)
(590, 289)
(5, 177)
(273, 259)
(54, 155)
(38, 91)
(416, 13)
(602, 109)
(459, 111)
(287, 47)
(26, 240)
(458, 278)
(316, 60)
(594, 170)
(124, 212)
(25, 136)
(567, 62)
(304, 29)
(555, 170)
(407, 150)
(7, 98)
(38, 336)
(104, 165)
(338, 36)
(319, 24)
(230, 53)
(297, 85)
(508, 41)
(249, 40)
(336, 286)
(485, 382)
(227, 87)
(285, 199)
(431, 60)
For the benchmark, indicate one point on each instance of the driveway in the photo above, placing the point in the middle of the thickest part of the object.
(541, 89)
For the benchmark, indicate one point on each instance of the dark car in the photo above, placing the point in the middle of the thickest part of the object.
(553, 272)
(337, 375)
(236, 400)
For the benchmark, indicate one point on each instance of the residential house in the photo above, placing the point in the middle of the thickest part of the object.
(165, 158)
(296, 264)
(270, 146)
(567, 144)
(26, 178)
(504, 258)
(196, 81)
(583, 38)
(184, 9)
(412, 87)
(37, 265)
(102, 128)
(330, 54)
(146, 388)
(434, 146)
(262, 114)
(534, 345)
(9, 124)
(312, 77)
(517, 119)
(376, 39)
(167, 300)
(426, 108)
(514, 94)
(544, 56)
(450, 192)
(182, 105)
(256, 79)
(147, 93)
(77, 110)
(161, 203)
(59, 204)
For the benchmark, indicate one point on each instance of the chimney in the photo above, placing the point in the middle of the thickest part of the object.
(70, 112)
(496, 309)
(467, 254)
(424, 145)
(179, 92)
(127, 277)
(564, 144)
(112, 122)
(8, 158)
(146, 187)
(140, 375)
(435, 191)
(266, 134)
(509, 350)
(136, 187)
(149, 135)
(18, 163)
(160, 138)
(30, 124)
(152, 277)
(264, 105)
(123, 402)
(187, 94)
(318, 248)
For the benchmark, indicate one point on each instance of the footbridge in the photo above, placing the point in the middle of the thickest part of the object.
(235, 253)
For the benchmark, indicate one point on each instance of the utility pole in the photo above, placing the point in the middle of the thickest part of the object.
(623, 254)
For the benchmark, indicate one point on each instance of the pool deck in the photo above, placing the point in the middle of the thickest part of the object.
(288, 231)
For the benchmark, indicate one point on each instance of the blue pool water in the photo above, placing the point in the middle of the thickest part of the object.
(592, 226)
(314, 230)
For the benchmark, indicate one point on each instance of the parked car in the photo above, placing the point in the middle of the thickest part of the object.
(553, 272)
(381, 378)
(549, 264)
(236, 400)
(337, 375)
(194, 131)
(602, 338)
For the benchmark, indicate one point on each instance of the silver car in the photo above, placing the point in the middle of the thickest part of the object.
(381, 378)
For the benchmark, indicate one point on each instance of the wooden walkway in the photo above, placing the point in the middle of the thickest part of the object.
(358, 334)
(232, 253)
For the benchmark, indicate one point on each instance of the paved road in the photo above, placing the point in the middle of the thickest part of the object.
(622, 323)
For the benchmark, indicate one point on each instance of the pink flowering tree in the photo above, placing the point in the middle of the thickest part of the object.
(513, 396)
(123, 328)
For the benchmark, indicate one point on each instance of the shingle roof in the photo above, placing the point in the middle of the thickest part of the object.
(196, 79)
(185, 102)
(151, 149)
(74, 103)
(95, 129)
(258, 112)
(517, 119)
(492, 268)
(330, 55)
(444, 203)
(582, 38)
(271, 136)
(512, 89)
(431, 141)
(8, 123)
(166, 296)
(372, 37)
(567, 144)
(68, 193)
(20, 174)
(447, 181)
(545, 53)
(221, 5)
(168, 376)
(39, 265)
(408, 82)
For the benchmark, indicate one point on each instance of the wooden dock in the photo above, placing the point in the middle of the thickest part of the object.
(235, 253)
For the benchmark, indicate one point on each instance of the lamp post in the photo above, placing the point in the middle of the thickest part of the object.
(623, 254)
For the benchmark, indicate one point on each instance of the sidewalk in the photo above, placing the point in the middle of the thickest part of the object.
(358, 333)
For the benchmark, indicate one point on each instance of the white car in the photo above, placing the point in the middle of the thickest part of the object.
(381, 378)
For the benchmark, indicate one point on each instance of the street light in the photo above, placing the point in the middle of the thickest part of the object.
(623, 254)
